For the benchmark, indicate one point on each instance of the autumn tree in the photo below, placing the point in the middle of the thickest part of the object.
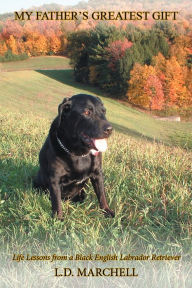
(11, 43)
(40, 45)
(180, 50)
(188, 83)
(53, 44)
(35, 44)
(159, 62)
(175, 80)
(3, 48)
(145, 88)
(34, 38)
(154, 89)
(116, 50)
(176, 93)
(13, 28)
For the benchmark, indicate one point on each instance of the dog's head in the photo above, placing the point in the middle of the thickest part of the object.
(82, 123)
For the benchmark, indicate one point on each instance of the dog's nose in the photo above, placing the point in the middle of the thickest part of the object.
(108, 130)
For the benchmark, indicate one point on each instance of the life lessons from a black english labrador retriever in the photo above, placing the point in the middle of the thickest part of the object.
(72, 153)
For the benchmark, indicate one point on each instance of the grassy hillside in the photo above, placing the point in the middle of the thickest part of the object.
(148, 184)
(40, 91)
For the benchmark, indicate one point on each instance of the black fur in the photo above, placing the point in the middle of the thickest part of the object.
(80, 119)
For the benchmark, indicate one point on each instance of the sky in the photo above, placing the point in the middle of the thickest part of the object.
(12, 5)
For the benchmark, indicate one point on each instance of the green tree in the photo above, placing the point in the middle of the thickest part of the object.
(78, 46)
(167, 28)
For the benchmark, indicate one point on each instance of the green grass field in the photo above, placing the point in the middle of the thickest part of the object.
(147, 168)
(42, 62)
(39, 91)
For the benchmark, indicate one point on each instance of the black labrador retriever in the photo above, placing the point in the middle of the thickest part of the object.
(72, 152)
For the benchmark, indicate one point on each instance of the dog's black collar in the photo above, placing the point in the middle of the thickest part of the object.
(66, 150)
(62, 146)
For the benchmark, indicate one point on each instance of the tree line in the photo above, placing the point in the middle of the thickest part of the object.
(150, 66)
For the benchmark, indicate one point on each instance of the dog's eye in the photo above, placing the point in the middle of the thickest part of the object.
(87, 112)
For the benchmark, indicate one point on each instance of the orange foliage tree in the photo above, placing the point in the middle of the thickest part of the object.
(12, 45)
(34, 38)
(54, 44)
(145, 88)
(35, 44)
(175, 80)
(154, 89)
(176, 93)
(3, 48)
(180, 49)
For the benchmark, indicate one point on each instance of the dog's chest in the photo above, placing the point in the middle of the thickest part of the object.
(77, 172)
(82, 165)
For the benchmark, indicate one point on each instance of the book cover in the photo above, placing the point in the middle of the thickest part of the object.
(135, 56)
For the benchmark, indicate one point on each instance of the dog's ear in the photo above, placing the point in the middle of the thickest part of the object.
(64, 107)
(99, 100)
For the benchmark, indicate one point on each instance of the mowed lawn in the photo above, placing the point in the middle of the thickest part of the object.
(41, 62)
(42, 86)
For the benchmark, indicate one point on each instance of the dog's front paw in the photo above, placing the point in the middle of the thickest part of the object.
(109, 213)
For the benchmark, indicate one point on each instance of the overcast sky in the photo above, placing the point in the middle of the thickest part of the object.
(12, 5)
